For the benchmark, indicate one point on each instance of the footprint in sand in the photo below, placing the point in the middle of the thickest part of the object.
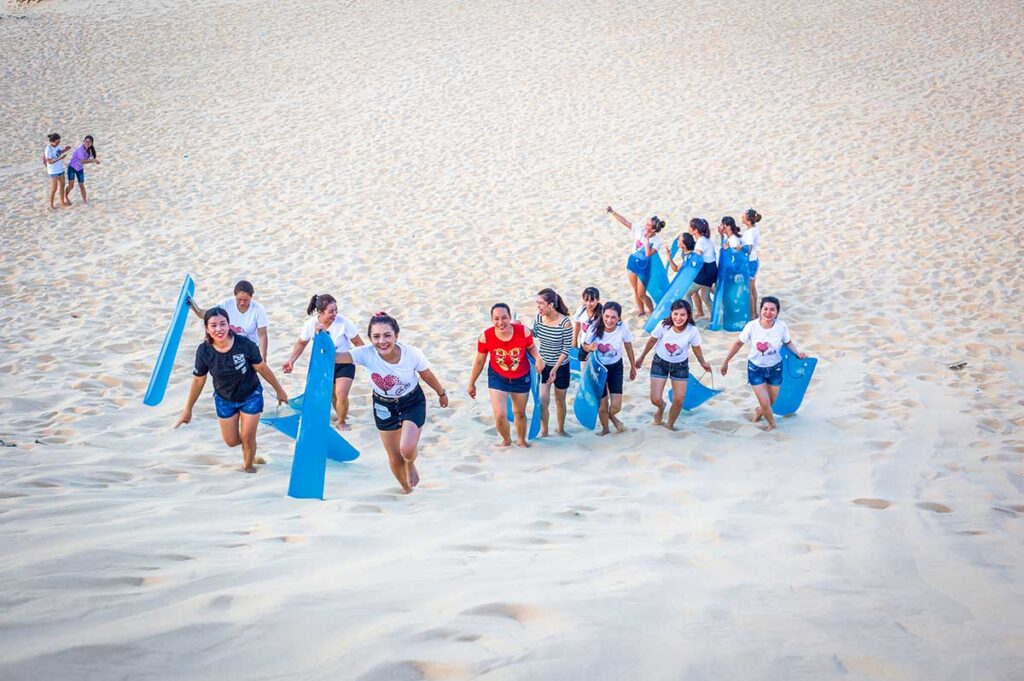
(934, 507)
(877, 504)
(417, 670)
(517, 612)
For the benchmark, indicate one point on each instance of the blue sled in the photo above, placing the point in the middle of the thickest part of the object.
(535, 395)
(651, 271)
(574, 362)
(589, 392)
(309, 463)
(796, 376)
(338, 448)
(730, 308)
(172, 339)
(688, 271)
(696, 393)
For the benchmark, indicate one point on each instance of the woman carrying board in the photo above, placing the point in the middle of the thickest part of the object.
(343, 333)
(645, 238)
(399, 405)
(234, 362)
(608, 340)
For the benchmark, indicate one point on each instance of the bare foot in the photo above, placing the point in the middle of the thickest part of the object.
(604, 431)
(260, 461)
(414, 475)
(757, 415)
(248, 469)
(543, 432)
(522, 443)
(619, 425)
(563, 433)
(502, 444)
(659, 414)
(670, 426)
(769, 426)
(344, 426)
(407, 490)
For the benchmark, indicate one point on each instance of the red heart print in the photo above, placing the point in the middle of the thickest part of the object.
(236, 329)
(603, 348)
(385, 383)
(762, 347)
(672, 348)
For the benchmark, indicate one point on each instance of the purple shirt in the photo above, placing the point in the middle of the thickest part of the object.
(77, 156)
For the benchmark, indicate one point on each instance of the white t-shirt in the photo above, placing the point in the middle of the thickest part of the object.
(765, 344)
(341, 331)
(53, 152)
(707, 249)
(639, 229)
(734, 242)
(582, 317)
(392, 380)
(245, 323)
(610, 344)
(674, 346)
(752, 238)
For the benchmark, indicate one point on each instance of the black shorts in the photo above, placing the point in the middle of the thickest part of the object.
(388, 414)
(613, 385)
(562, 377)
(344, 371)
(708, 274)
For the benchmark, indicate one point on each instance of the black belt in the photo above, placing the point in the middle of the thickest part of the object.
(395, 400)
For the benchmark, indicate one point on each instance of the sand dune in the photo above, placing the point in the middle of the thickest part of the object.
(431, 159)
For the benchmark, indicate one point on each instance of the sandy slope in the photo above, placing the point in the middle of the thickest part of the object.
(430, 159)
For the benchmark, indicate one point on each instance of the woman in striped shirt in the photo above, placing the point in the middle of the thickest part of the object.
(553, 331)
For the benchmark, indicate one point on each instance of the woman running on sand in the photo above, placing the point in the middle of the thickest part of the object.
(399, 405)
(553, 330)
(247, 317)
(588, 314)
(708, 274)
(343, 333)
(752, 238)
(645, 236)
(766, 335)
(86, 153)
(53, 159)
(729, 231)
(608, 340)
(671, 341)
(508, 371)
(233, 361)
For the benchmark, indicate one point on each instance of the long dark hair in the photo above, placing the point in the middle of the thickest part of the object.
(610, 305)
(552, 298)
(216, 312)
(731, 224)
(382, 318)
(319, 303)
(679, 305)
(753, 216)
(92, 152)
(701, 226)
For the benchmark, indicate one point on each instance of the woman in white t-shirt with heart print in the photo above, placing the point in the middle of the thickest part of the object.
(399, 405)
(607, 342)
(766, 335)
(644, 238)
(247, 317)
(752, 240)
(671, 341)
(343, 333)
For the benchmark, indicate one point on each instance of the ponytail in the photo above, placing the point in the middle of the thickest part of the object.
(701, 226)
(551, 297)
(320, 303)
(382, 318)
(753, 216)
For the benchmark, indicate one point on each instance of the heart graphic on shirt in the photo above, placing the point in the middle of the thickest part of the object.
(236, 329)
(385, 383)
(672, 348)
(762, 347)
(604, 348)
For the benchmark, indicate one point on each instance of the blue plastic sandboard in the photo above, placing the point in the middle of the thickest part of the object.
(688, 271)
(796, 376)
(309, 464)
(730, 308)
(589, 392)
(338, 448)
(654, 276)
(696, 393)
(574, 362)
(172, 339)
(535, 396)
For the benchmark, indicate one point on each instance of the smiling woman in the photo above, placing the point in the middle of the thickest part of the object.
(233, 361)
(246, 316)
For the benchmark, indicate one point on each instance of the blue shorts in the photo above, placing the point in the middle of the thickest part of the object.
(253, 404)
(752, 265)
(496, 381)
(758, 375)
(677, 371)
(76, 174)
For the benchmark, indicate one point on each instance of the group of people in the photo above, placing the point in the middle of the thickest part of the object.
(515, 355)
(58, 165)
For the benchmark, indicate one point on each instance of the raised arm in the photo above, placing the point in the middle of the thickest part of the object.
(623, 221)
(199, 311)
(193, 394)
(430, 379)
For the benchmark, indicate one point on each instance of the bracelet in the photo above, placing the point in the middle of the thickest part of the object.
(443, 393)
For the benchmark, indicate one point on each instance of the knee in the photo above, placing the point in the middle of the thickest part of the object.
(408, 452)
(232, 441)
(519, 413)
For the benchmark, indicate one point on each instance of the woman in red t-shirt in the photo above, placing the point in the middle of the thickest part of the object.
(508, 373)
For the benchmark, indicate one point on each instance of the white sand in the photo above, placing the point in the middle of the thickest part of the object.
(431, 159)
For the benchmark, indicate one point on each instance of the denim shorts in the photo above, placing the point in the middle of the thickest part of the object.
(752, 268)
(253, 404)
(78, 175)
(677, 371)
(496, 381)
(758, 375)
